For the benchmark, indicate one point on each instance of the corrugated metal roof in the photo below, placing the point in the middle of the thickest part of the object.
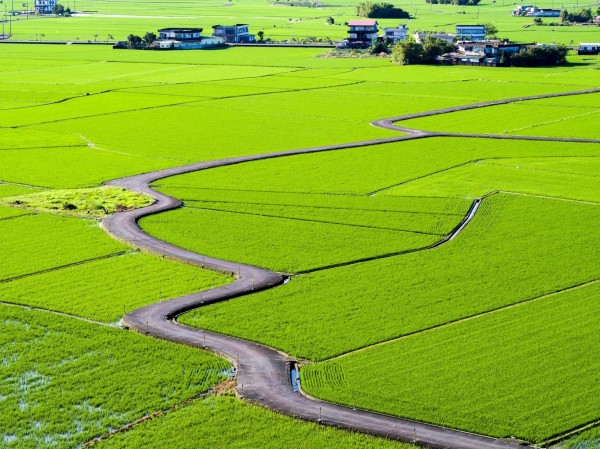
(363, 23)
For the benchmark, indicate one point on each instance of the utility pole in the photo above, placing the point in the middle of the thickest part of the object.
(3, 17)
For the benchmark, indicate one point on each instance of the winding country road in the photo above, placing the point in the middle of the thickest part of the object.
(263, 373)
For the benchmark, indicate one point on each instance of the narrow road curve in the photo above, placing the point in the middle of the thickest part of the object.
(263, 373)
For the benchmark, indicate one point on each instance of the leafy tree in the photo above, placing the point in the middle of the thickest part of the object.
(490, 31)
(407, 52)
(434, 47)
(582, 16)
(540, 56)
(58, 10)
(380, 11)
(261, 36)
(149, 38)
(134, 41)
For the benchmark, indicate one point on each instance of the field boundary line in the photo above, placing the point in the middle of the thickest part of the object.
(309, 220)
(450, 236)
(308, 206)
(16, 216)
(148, 417)
(69, 265)
(464, 319)
(56, 312)
(545, 197)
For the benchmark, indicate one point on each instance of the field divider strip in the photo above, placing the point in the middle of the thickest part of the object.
(17, 216)
(56, 312)
(69, 265)
(334, 223)
(555, 198)
(457, 229)
(464, 319)
(308, 206)
(147, 417)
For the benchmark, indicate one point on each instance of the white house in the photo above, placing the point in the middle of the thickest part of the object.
(420, 37)
(396, 34)
(234, 33)
(470, 32)
(588, 48)
(184, 39)
(44, 6)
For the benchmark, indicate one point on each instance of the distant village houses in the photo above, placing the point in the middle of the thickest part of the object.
(588, 48)
(234, 34)
(44, 6)
(534, 11)
(470, 32)
(396, 34)
(362, 33)
(184, 39)
(420, 37)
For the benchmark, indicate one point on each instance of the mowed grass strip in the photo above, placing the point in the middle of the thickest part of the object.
(526, 371)
(65, 381)
(34, 243)
(223, 421)
(516, 248)
(281, 244)
(106, 289)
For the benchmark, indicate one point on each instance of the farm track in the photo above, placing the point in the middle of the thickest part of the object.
(263, 372)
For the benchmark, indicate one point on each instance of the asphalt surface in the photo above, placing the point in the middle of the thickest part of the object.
(262, 372)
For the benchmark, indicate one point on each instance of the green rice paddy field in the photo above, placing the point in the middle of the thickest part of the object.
(102, 21)
(493, 332)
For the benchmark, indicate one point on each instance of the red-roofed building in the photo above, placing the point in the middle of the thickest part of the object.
(362, 33)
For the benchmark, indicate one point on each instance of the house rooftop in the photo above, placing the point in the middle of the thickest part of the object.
(181, 30)
(236, 25)
(363, 23)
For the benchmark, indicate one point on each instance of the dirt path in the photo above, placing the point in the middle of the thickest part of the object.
(263, 372)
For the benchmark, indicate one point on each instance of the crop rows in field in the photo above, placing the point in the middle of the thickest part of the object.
(107, 288)
(54, 240)
(563, 177)
(9, 212)
(222, 421)
(525, 371)
(384, 299)
(66, 381)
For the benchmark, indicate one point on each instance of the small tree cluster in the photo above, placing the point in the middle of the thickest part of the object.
(60, 10)
(582, 16)
(410, 52)
(380, 11)
(537, 57)
(454, 2)
(135, 41)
